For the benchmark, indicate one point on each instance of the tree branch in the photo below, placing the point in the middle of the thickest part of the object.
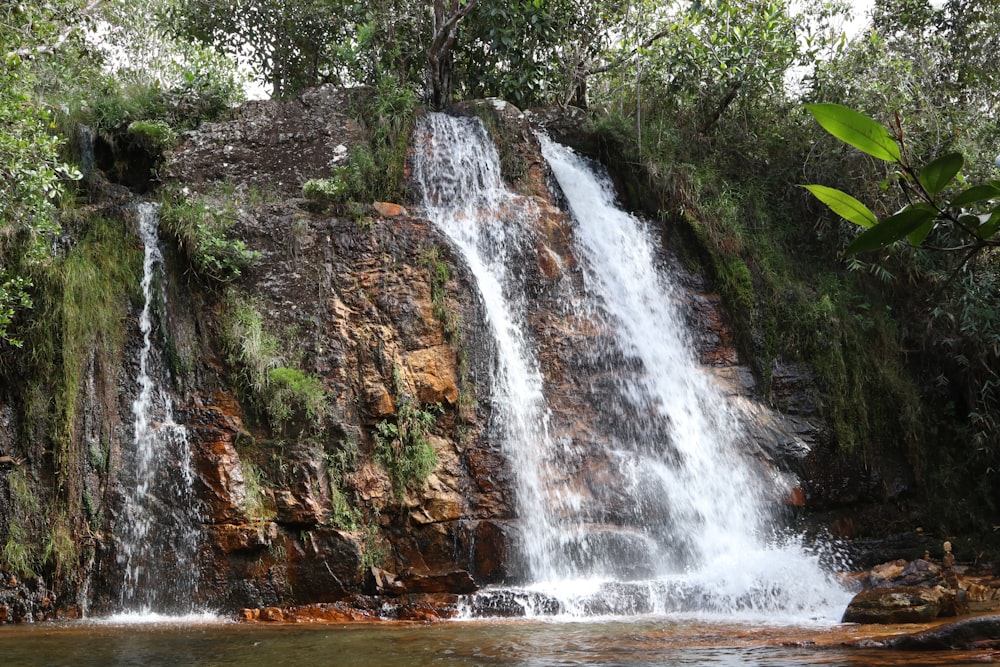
(60, 40)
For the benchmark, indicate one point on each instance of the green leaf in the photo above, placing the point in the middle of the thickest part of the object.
(844, 205)
(990, 227)
(976, 194)
(857, 130)
(908, 221)
(920, 235)
(935, 176)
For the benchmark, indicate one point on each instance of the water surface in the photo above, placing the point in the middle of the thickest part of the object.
(529, 643)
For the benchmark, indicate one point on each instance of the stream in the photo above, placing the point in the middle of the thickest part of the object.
(643, 641)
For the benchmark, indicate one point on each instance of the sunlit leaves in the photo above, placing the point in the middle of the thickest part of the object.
(923, 187)
(894, 228)
(857, 130)
(940, 172)
(844, 205)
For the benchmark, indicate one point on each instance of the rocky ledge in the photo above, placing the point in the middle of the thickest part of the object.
(920, 591)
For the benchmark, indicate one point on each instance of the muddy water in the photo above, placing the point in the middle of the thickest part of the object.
(625, 643)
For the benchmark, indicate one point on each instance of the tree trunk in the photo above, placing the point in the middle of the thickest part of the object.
(440, 53)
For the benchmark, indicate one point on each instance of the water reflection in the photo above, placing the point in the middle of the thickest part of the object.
(527, 644)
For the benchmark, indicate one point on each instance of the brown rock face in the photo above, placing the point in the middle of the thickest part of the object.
(352, 304)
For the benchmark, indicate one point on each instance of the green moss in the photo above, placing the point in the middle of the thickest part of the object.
(291, 390)
(155, 136)
(20, 551)
(258, 505)
(284, 394)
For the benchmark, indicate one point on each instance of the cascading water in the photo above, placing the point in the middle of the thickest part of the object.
(158, 539)
(675, 519)
(461, 187)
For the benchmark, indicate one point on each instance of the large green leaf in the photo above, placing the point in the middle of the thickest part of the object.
(909, 220)
(990, 226)
(844, 205)
(919, 235)
(935, 176)
(976, 194)
(856, 129)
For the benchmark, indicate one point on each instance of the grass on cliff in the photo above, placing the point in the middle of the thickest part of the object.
(200, 232)
(80, 322)
(283, 393)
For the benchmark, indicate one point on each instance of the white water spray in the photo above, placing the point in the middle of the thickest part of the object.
(158, 539)
(670, 516)
(461, 187)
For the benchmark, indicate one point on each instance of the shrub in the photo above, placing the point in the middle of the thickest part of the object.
(403, 448)
(200, 231)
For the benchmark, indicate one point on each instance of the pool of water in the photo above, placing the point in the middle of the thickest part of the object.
(647, 641)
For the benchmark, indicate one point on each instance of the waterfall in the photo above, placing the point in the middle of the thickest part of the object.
(460, 185)
(158, 538)
(670, 515)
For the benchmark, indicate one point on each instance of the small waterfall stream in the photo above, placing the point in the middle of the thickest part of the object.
(461, 185)
(672, 516)
(158, 538)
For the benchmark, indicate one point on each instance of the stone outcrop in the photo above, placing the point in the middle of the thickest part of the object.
(300, 516)
(917, 591)
(350, 299)
(904, 604)
(970, 634)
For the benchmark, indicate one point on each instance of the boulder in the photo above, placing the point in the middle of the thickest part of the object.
(966, 635)
(905, 604)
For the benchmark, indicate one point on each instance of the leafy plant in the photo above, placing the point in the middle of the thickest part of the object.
(969, 212)
(290, 389)
(200, 231)
(279, 391)
(20, 550)
(323, 191)
(257, 503)
(403, 448)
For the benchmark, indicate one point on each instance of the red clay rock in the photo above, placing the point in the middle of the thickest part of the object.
(389, 210)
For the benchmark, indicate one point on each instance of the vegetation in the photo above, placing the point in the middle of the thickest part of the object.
(200, 231)
(707, 109)
(403, 448)
(284, 394)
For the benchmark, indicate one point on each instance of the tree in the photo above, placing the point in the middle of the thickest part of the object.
(440, 52)
(289, 44)
(31, 173)
(968, 212)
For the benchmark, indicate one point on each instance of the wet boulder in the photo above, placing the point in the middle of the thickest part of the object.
(968, 634)
(905, 604)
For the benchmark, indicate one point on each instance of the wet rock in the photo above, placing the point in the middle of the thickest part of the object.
(382, 582)
(271, 144)
(459, 582)
(326, 568)
(904, 604)
(971, 634)
(389, 210)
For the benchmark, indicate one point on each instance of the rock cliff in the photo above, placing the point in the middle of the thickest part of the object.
(370, 325)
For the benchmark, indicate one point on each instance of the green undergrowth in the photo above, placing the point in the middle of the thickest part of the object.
(200, 230)
(288, 398)
(375, 169)
(79, 322)
(402, 444)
